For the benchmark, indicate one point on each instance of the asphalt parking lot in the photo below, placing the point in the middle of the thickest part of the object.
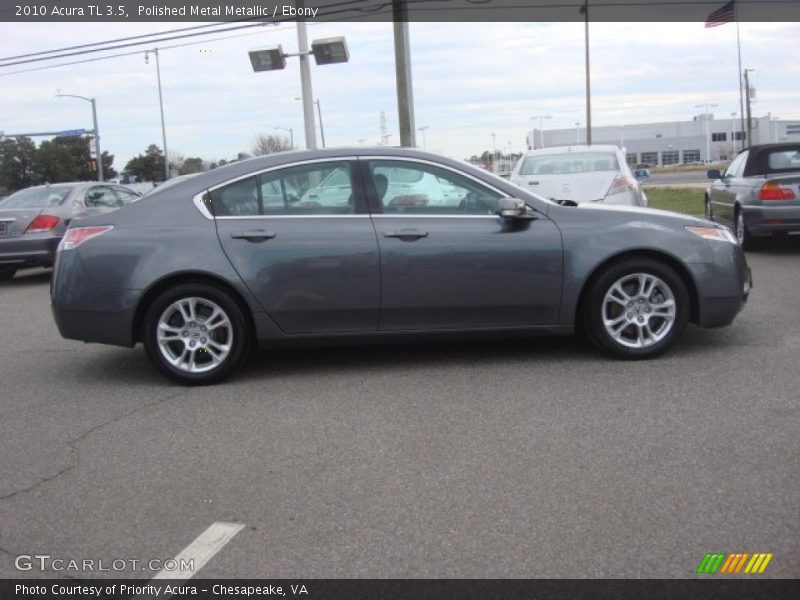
(531, 458)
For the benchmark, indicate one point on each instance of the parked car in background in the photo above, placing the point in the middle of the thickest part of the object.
(758, 194)
(199, 272)
(33, 220)
(580, 174)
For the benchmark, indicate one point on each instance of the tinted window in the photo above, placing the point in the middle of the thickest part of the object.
(126, 196)
(36, 198)
(407, 187)
(320, 188)
(577, 162)
(101, 197)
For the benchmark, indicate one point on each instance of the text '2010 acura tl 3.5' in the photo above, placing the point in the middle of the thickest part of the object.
(368, 243)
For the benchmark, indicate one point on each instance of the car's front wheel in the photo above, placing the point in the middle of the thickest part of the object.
(636, 308)
(196, 334)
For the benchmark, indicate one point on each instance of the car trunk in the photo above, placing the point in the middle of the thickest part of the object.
(14, 221)
(579, 187)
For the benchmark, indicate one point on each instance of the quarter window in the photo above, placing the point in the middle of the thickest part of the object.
(415, 188)
(101, 197)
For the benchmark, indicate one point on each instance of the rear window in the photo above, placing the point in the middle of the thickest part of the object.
(784, 160)
(560, 164)
(36, 198)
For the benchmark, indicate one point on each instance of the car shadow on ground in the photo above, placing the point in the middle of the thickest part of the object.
(778, 246)
(28, 277)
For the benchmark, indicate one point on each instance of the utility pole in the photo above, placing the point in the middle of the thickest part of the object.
(402, 61)
(749, 140)
(305, 82)
(588, 77)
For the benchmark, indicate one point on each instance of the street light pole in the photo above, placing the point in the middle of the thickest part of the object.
(494, 153)
(291, 134)
(577, 133)
(95, 132)
(305, 83)
(708, 128)
(161, 108)
(319, 114)
(423, 130)
(733, 131)
(541, 127)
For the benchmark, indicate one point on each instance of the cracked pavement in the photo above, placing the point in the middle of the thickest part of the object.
(525, 458)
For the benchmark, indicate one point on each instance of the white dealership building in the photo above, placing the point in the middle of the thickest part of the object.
(703, 139)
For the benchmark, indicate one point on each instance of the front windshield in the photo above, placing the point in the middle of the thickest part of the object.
(40, 197)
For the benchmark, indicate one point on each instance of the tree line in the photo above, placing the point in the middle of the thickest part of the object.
(68, 158)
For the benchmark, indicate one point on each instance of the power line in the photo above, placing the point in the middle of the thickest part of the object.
(121, 54)
(112, 41)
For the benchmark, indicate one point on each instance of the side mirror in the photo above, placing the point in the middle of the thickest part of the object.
(714, 174)
(512, 208)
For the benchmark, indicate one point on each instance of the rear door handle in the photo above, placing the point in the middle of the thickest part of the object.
(406, 234)
(254, 235)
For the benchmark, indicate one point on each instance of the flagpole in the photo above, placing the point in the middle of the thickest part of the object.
(741, 95)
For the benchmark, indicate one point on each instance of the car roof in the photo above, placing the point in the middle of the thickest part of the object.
(207, 179)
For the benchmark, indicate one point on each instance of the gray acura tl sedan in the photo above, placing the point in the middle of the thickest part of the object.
(381, 242)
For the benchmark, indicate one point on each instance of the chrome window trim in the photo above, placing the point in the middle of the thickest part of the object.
(268, 217)
(433, 216)
(197, 200)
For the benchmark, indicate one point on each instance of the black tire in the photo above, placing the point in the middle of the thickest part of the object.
(240, 341)
(7, 273)
(709, 212)
(664, 336)
(743, 235)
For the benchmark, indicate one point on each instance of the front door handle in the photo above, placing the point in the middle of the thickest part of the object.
(406, 234)
(255, 235)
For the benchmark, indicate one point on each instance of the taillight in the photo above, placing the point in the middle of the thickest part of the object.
(77, 235)
(42, 223)
(619, 186)
(774, 191)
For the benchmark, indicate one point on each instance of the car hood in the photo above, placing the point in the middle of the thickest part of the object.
(639, 211)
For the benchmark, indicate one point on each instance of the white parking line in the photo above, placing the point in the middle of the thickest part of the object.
(201, 550)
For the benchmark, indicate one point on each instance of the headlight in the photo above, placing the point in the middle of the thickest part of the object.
(720, 234)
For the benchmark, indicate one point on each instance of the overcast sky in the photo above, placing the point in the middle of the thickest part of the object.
(470, 80)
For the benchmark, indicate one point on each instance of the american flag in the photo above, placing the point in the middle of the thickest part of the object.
(724, 14)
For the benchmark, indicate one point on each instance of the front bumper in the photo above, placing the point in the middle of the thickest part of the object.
(766, 220)
(723, 285)
(31, 250)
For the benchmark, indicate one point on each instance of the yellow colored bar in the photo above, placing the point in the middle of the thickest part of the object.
(741, 562)
(754, 562)
(728, 563)
(765, 563)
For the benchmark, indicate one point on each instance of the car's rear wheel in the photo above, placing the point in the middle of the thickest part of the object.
(742, 233)
(7, 273)
(196, 334)
(636, 308)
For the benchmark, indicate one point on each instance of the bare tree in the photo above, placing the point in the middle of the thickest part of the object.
(269, 144)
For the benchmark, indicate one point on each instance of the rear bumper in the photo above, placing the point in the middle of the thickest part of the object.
(765, 220)
(87, 313)
(28, 250)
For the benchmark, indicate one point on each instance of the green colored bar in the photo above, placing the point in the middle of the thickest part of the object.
(711, 562)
